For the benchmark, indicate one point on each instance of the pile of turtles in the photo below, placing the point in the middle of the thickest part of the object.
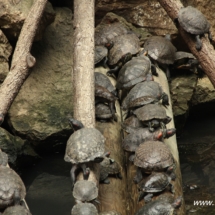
(12, 190)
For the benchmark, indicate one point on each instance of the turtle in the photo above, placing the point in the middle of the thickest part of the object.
(187, 61)
(160, 207)
(105, 33)
(109, 167)
(153, 156)
(112, 212)
(195, 23)
(83, 146)
(154, 183)
(85, 191)
(132, 141)
(162, 51)
(124, 48)
(3, 159)
(104, 81)
(133, 72)
(12, 188)
(103, 112)
(153, 115)
(131, 124)
(16, 210)
(104, 95)
(84, 209)
(144, 93)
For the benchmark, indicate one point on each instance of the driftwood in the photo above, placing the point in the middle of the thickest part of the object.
(131, 169)
(206, 55)
(22, 59)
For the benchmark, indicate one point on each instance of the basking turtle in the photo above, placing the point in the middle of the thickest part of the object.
(104, 81)
(132, 141)
(131, 124)
(144, 93)
(160, 207)
(16, 210)
(85, 191)
(160, 50)
(3, 159)
(112, 212)
(195, 23)
(125, 46)
(83, 146)
(109, 167)
(154, 183)
(105, 33)
(153, 156)
(103, 112)
(84, 209)
(133, 72)
(153, 115)
(12, 188)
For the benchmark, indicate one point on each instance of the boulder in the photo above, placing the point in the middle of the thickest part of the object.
(40, 109)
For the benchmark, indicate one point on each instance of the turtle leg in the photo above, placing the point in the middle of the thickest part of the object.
(168, 73)
(148, 197)
(111, 106)
(162, 125)
(150, 125)
(112, 72)
(119, 175)
(154, 70)
(198, 43)
(172, 188)
(165, 99)
(131, 157)
(86, 171)
(104, 63)
(17, 197)
(106, 181)
(171, 173)
(72, 174)
(141, 195)
(210, 36)
(138, 177)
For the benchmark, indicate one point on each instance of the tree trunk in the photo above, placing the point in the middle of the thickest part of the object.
(206, 55)
(131, 168)
(22, 59)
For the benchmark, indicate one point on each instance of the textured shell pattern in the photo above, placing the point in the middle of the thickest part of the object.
(151, 111)
(10, 182)
(193, 21)
(100, 53)
(110, 168)
(84, 145)
(153, 156)
(3, 159)
(103, 111)
(133, 72)
(127, 43)
(85, 190)
(160, 49)
(84, 209)
(131, 124)
(16, 210)
(181, 55)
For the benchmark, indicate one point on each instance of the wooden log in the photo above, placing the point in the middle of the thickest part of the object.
(172, 143)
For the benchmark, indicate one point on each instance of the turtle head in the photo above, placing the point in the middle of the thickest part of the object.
(75, 124)
(111, 161)
(165, 99)
(170, 132)
(1, 118)
(177, 202)
(125, 58)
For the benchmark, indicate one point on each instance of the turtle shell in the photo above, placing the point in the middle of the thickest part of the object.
(153, 156)
(131, 124)
(104, 81)
(112, 212)
(193, 21)
(110, 166)
(16, 210)
(151, 111)
(160, 49)
(183, 55)
(133, 72)
(156, 182)
(10, 183)
(142, 94)
(107, 32)
(84, 145)
(132, 141)
(124, 44)
(103, 111)
(85, 191)
(84, 209)
(3, 159)
(100, 53)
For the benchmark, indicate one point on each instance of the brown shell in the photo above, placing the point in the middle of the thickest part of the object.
(153, 156)
(127, 43)
(103, 93)
(151, 111)
(160, 49)
(84, 209)
(10, 182)
(16, 210)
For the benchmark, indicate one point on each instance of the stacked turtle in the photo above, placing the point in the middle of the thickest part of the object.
(12, 189)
